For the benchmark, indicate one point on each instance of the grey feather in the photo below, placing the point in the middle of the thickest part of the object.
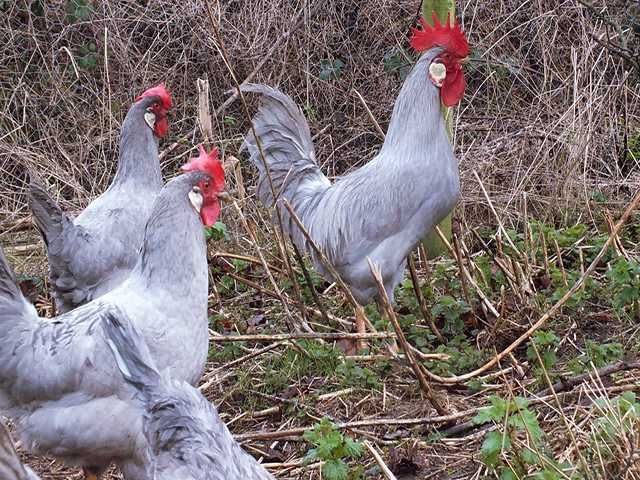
(186, 437)
(93, 253)
(11, 468)
(379, 211)
(58, 380)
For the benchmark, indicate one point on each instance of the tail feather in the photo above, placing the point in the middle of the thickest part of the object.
(288, 151)
(12, 302)
(61, 238)
(11, 467)
(47, 214)
(287, 146)
(130, 351)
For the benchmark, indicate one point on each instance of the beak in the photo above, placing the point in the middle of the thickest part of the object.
(465, 60)
(224, 196)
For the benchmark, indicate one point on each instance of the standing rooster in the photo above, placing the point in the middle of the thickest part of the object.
(91, 255)
(58, 380)
(382, 210)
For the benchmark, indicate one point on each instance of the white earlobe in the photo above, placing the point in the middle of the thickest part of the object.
(150, 119)
(437, 73)
(196, 200)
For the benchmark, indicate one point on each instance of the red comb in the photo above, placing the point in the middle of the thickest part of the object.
(209, 163)
(446, 36)
(159, 91)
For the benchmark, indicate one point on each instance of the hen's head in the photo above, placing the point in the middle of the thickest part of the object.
(204, 196)
(156, 114)
(445, 70)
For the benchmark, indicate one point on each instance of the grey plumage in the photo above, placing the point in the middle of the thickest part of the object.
(58, 380)
(11, 468)
(379, 211)
(187, 440)
(93, 253)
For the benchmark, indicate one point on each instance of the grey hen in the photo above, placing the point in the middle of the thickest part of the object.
(93, 253)
(187, 440)
(58, 380)
(11, 468)
(381, 210)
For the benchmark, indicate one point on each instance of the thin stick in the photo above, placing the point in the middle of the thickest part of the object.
(244, 258)
(273, 294)
(553, 310)
(495, 214)
(307, 279)
(360, 316)
(265, 265)
(465, 272)
(568, 383)
(383, 466)
(296, 22)
(371, 117)
(278, 337)
(375, 422)
(421, 300)
(209, 378)
(424, 383)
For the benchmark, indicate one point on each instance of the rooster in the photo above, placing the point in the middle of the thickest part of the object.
(58, 380)
(93, 253)
(186, 438)
(382, 210)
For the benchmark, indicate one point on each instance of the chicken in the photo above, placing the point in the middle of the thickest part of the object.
(58, 380)
(186, 438)
(93, 253)
(11, 467)
(382, 210)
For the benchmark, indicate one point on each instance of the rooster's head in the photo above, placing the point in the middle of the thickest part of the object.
(205, 196)
(445, 70)
(156, 114)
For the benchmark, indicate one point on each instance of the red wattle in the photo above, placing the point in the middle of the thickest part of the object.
(162, 127)
(209, 213)
(453, 89)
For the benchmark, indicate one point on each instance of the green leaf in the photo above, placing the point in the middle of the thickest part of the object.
(352, 448)
(217, 232)
(507, 473)
(78, 10)
(330, 69)
(312, 454)
(529, 456)
(491, 448)
(335, 470)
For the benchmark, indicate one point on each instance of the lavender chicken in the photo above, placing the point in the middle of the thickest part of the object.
(382, 210)
(58, 380)
(93, 253)
(11, 468)
(186, 438)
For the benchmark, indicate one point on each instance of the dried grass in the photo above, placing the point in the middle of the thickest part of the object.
(546, 113)
(544, 124)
